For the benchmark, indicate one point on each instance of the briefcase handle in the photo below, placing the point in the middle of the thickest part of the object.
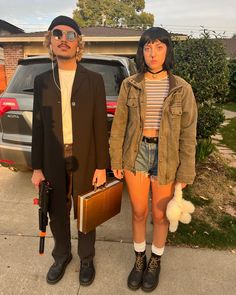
(103, 186)
(95, 187)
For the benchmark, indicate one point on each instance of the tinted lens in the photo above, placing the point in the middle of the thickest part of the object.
(57, 34)
(70, 36)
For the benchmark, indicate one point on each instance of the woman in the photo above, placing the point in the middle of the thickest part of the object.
(152, 143)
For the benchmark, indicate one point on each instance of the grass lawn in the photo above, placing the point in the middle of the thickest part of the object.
(213, 223)
(228, 133)
(230, 106)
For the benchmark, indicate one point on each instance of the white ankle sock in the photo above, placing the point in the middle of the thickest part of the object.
(157, 251)
(140, 247)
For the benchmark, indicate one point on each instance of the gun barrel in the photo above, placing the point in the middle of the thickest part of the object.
(42, 236)
(41, 245)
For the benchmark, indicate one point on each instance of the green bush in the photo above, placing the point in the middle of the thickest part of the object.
(232, 80)
(202, 62)
(204, 148)
(209, 120)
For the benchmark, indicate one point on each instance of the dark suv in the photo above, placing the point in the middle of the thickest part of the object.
(16, 124)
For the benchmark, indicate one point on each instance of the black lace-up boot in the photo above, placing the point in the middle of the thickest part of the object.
(136, 274)
(87, 273)
(151, 274)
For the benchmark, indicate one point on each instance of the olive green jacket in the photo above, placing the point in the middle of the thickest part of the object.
(177, 134)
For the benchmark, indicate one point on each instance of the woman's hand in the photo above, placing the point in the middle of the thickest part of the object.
(37, 177)
(99, 177)
(183, 185)
(118, 173)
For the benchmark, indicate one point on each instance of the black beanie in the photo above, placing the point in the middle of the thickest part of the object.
(66, 21)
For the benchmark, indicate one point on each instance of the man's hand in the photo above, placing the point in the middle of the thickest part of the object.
(118, 173)
(99, 177)
(37, 177)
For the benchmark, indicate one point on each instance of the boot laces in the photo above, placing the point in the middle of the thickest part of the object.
(139, 263)
(154, 263)
(85, 264)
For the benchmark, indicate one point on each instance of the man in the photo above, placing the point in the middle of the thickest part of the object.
(69, 141)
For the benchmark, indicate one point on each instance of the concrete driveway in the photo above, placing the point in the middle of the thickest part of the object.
(185, 271)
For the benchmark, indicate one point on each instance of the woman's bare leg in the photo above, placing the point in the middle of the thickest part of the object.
(138, 187)
(161, 195)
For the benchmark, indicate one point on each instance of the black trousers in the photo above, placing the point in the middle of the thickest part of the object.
(61, 230)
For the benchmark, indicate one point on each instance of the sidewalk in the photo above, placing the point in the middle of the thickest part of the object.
(226, 152)
(185, 271)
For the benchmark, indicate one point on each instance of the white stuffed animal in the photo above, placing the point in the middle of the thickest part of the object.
(178, 209)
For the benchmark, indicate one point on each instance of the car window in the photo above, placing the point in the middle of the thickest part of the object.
(132, 67)
(113, 74)
(23, 79)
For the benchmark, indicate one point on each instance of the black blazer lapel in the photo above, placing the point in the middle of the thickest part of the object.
(80, 76)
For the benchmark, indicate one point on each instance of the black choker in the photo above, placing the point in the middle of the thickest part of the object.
(154, 74)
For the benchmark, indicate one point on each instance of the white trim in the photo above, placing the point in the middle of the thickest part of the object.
(15, 147)
(40, 39)
(81, 215)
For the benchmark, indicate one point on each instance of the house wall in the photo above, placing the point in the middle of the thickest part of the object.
(34, 49)
(12, 53)
(112, 48)
(3, 81)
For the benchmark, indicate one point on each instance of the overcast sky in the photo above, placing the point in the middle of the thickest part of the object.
(181, 16)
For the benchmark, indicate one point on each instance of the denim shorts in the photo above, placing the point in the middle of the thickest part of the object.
(147, 158)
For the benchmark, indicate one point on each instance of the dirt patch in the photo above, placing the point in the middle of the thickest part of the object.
(215, 190)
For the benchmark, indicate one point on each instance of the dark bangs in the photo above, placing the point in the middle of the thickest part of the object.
(149, 36)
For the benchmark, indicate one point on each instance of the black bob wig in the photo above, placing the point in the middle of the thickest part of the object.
(149, 36)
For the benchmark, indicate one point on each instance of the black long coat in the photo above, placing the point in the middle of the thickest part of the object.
(90, 137)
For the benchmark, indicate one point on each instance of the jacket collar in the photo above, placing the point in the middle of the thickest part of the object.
(138, 81)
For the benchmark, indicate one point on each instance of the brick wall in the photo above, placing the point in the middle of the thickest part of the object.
(3, 81)
(12, 53)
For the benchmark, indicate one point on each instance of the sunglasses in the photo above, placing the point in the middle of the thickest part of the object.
(70, 35)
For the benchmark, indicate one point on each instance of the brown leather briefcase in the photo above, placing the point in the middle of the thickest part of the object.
(98, 206)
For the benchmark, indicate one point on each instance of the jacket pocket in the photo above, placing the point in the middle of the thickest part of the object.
(175, 118)
(176, 110)
(133, 109)
(132, 102)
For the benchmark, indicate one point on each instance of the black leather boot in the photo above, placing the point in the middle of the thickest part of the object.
(151, 274)
(57, 270)
(87, 273)
(136, 275)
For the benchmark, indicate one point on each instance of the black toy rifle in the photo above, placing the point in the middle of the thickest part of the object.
(43, 202)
